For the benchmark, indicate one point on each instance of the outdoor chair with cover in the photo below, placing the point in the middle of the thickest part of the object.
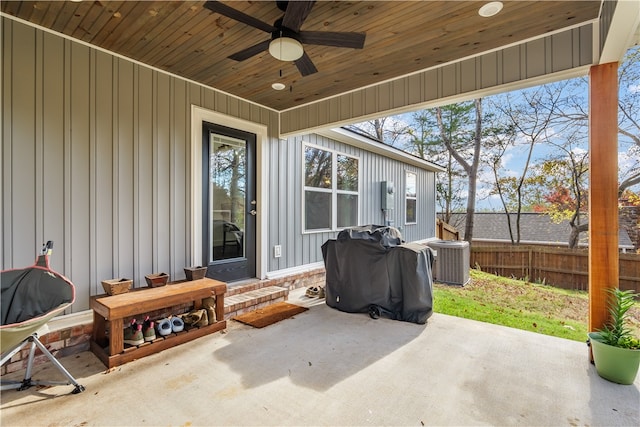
(30, 298)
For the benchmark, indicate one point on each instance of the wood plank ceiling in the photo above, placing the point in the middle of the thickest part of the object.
(186, 39)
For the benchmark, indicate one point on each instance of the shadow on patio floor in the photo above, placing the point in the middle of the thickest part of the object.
(325, 367)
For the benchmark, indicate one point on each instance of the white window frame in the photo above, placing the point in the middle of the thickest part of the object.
(407, 197)
(333, 190)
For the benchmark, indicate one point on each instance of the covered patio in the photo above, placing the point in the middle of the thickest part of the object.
(325, 367)
(112, 90)
(129, 77)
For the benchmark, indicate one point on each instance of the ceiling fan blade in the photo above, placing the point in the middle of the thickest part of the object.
(329, 38)
(250, 51)
(305, 65)
(229, 12)
(296, 13)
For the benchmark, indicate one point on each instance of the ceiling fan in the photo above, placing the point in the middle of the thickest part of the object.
(286, 39)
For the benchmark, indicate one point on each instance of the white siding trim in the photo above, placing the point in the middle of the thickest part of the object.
(198, 116)
(592, 22)
(347, 137)
(625, 16)
(294, 270)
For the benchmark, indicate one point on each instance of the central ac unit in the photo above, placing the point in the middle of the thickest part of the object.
(452, 261)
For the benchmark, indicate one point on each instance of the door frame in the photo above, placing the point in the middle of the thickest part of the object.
(198, 116)
(241, 266)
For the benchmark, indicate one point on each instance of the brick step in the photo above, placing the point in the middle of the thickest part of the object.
(250, 285)
(253, 299)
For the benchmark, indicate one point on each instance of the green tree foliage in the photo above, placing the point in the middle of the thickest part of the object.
(529, 115)
(574, 113)
(423, 140)
(527, 123)
(460, 127)
(564, 175)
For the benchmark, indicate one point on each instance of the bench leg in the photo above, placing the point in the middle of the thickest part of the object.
(116, 340)
(220, 307)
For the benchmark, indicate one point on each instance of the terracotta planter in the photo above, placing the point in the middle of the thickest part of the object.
(195, 273)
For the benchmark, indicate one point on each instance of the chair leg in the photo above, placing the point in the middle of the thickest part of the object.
(8, 355)
(8, 385)
(28, 382)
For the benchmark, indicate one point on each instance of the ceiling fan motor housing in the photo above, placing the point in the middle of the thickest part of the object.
(282, 31)
(282, 4)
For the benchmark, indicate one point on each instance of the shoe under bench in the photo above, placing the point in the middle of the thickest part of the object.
(109, 312)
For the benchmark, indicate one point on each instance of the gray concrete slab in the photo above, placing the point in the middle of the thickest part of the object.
(325, 367)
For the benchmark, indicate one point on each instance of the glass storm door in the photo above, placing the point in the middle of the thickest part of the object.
(229, 203)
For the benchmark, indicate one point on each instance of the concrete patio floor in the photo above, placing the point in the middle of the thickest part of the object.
(326, 367)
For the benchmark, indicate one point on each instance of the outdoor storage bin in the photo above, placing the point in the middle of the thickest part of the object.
(370, 266)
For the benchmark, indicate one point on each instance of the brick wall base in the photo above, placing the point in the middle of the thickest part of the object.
(314, 277)
(61, 343)
(75, 339)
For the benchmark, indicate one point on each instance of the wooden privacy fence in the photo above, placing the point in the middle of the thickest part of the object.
(445, 231)
(563, 268)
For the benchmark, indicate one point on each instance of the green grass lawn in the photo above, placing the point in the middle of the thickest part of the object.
(518, 304)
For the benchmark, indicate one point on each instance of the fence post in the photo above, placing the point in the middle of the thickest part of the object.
(530, 272)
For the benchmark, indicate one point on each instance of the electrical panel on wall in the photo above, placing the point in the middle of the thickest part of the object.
(387, 192)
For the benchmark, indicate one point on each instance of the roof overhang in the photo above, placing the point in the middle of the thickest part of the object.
(620, 34)
(360, 141)
(439, 65)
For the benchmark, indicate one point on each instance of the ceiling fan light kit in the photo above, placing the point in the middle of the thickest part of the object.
(278, 86)
(286, 49)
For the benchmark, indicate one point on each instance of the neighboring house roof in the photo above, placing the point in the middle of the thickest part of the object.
(535, 228)
(630, 221)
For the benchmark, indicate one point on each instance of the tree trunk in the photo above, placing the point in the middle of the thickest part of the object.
(574, 237)
(470, 169)
(473, 174)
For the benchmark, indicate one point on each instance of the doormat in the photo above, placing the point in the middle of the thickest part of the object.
(269, 315)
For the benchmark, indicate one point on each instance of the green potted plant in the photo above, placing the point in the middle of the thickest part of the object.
(616, 352)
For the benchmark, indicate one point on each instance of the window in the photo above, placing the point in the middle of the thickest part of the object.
(410, 197)
(330, 190)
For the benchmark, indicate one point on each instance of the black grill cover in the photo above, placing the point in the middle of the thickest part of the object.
(386, 236)
(369, 266)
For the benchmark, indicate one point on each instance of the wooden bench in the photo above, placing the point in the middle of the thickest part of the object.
(109, 313)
